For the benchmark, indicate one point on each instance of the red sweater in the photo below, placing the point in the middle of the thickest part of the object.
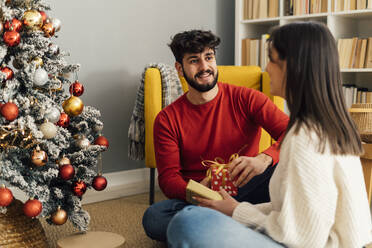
(185, 134)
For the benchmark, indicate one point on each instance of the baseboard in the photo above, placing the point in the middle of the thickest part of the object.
(119, 184)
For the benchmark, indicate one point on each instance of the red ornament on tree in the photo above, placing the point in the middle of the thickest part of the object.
(66, 172)
(64, 120)
(43, 16)
(76, 89)
(8, 72)
(6, 196)
(12, 38)
(32, 208)
(79, 188)
(102, 141)
(15, 25)
(99, 182)
(10, 111)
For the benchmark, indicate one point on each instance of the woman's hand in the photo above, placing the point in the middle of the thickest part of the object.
(226, 206)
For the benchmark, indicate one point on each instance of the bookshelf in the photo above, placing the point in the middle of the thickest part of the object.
(347, 23)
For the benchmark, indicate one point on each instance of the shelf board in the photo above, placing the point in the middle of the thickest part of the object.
(356, 70)
(307, 16)
(355, 14)
(262, 20)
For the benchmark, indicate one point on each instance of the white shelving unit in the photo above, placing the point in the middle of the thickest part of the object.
(345, 24)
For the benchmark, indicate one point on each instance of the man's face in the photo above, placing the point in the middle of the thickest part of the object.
(199, 70)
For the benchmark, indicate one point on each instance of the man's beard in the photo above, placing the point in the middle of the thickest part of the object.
(200, 87)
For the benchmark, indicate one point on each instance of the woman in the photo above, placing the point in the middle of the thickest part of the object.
(318, 197)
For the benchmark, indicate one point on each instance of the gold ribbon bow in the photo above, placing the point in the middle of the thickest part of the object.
(218, 163)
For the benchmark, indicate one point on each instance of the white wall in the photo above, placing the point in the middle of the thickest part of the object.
(113, 40)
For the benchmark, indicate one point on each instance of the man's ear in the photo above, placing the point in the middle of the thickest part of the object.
(179, 68)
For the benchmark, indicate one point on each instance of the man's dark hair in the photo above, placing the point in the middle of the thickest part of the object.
(313, 85)
(193, 41)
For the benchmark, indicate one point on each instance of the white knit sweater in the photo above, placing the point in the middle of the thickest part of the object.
(317, 200)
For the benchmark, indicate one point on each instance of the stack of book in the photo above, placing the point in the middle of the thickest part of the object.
(259, 9)
(254, 51)
(355, 52)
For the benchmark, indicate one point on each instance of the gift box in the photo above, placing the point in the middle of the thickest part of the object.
(219, 175)
(220, 179)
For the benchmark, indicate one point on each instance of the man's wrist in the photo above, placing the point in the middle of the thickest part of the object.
(266, 159)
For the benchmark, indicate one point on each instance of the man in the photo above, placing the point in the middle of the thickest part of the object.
(211, 120)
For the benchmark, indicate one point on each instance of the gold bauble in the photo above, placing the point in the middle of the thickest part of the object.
(73, 106)
(59, 217)
(39, 157)
(64, 161)
(38, 62)
(33, 19)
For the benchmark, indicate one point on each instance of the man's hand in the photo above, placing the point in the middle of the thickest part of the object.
(248, 167)
(226, 206)
(206, 182)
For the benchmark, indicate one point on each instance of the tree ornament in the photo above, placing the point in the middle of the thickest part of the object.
(39, 157)
(15, 25)
(82, 142)
(64, 120)
(48, 30)
(32, 208)
(12, 38)
(66, 172)
(79, 188)
(56, 24)
(32, 19)
(8, 72)
(76, 89)
(44, 16)
(49, 130)
(6, 196)
(99, 182)
(53, 115)
(9, 111)
(59, 217)
(64, 161)
(73, 106)
(53, 49)
(40, 77)
(101, 141)
(38, 62)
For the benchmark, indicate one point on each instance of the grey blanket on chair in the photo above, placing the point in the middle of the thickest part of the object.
(171, 90)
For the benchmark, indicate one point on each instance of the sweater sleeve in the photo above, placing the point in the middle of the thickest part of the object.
(303, 210)
(266, 114)
(168, 161)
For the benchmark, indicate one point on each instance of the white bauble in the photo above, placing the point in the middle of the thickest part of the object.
(82, 142)
(53, 115)
(49, 130)
(98, 127)
(56, 24)
(40, 77)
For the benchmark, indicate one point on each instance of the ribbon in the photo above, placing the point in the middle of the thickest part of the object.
(218, 163)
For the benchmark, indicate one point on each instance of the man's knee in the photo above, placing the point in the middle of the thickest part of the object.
(149, 221)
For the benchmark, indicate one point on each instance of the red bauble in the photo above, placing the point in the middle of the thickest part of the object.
(102, 141)
(76, 89)
(66, 172)
(9, 73)
(64, 120)
(12, 38)
(10, 111)
(16, 25)
(43, 15)
(6, 196)
(79, 188)
(32, 208)
(99, 183)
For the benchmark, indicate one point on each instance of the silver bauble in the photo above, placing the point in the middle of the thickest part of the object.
(52, 115)
(82, 142)
(56, 24)
(40, 77)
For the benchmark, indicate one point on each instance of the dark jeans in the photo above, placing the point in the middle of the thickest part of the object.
(157, 217)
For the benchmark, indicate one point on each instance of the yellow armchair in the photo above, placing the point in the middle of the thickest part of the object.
(248, 76)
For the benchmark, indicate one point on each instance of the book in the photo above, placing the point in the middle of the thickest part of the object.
(194, 188)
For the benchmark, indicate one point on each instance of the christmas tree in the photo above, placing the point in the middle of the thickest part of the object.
(50, 143)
